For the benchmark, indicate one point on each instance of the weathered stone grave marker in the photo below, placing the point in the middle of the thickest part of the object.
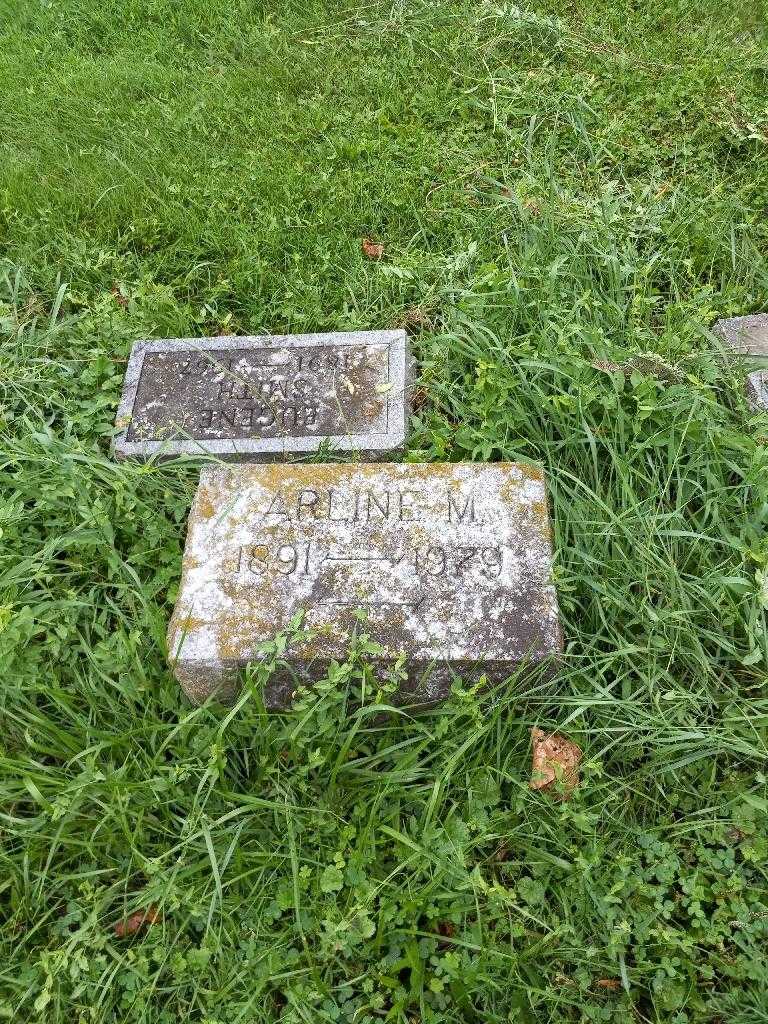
(450, 563)
(747, 337)
(262, 398)
(757, 389)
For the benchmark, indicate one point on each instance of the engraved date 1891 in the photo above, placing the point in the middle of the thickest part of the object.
(305, 558)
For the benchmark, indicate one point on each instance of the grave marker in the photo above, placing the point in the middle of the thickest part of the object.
(263, 398)
(450, 565)
(757, 390)
(746, 335)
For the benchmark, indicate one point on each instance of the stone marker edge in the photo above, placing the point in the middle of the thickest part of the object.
(733, 332)
(266, 450)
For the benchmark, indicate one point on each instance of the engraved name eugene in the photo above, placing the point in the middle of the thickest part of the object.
(273, 554)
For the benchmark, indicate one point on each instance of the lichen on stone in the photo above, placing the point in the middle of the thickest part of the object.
(450, 562)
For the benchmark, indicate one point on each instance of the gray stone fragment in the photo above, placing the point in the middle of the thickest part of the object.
(745, 335)
(757, 390)
(450, 564)
(264, 398)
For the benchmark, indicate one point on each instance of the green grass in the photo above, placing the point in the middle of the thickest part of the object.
(554, 185)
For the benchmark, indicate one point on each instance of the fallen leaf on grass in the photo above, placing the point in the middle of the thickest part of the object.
(373, 250)
(447, 930)
(136, 921)
(118, 296)
(554, 758)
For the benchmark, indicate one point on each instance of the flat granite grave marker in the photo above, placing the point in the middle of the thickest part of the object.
(263, 398)
(451, 564)
(746, 335)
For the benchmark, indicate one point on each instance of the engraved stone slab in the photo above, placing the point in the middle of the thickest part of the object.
(450, 564)
(263, 398)
(746, 335)
(757, 390)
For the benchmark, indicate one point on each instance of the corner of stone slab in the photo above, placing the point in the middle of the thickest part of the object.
(717, 328)
(201, 681)
(554, 662)
(217, 473)
(119, 453)
(728, 348)
(391, 453)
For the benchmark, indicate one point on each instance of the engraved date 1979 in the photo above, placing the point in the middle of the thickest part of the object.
(307, 558)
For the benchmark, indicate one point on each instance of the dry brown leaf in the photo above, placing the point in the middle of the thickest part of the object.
(373, 250)
(137, 921)
(118, 296)
(554, 756)
(447, 929)
(612, 984)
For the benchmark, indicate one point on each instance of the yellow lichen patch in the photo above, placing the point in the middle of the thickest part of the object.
(204, 506)
(189, 623)
(183, 624)
(540, 515)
